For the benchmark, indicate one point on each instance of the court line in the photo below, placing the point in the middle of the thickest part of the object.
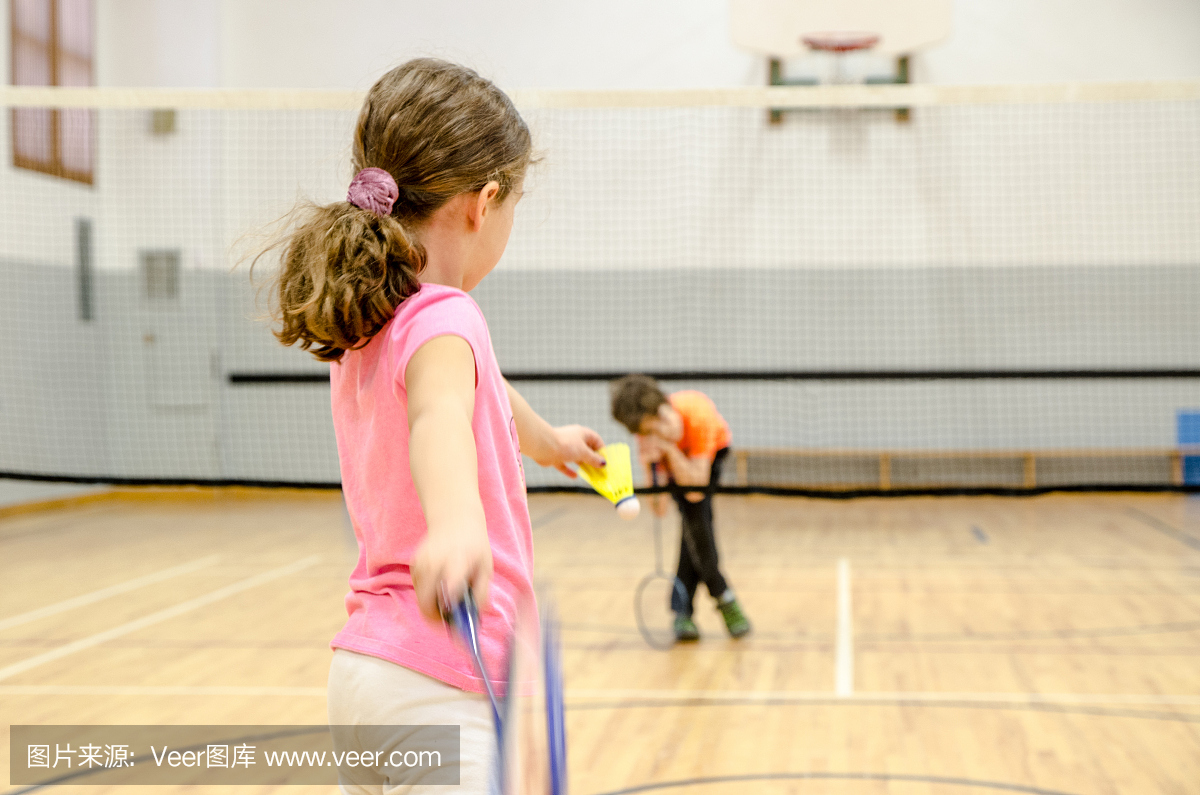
(843, 683)
(1134, 713)
(158, 617)
(814, 775)
(156, 690)
(826, 776)
(746, 696)
(805, 696)
(199, 643)
(1049, 634)
(1163, 527)
(622, 645)
(869, 639)
(104, 593)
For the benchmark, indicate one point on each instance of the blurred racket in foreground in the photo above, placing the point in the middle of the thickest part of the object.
(652, 600)
(530, 726)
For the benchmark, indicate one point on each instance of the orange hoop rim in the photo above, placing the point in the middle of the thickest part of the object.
(839, 41)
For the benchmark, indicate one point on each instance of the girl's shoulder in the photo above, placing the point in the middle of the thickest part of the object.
(435, 295)
(439, 305)
(434, 311)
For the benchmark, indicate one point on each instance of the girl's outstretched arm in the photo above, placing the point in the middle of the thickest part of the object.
(440, 382)
(549, 446)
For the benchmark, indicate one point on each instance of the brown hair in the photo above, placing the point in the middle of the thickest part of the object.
(440, 130)
(634, 398)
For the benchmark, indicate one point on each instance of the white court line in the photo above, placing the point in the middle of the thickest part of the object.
(803, 696)
(155, 618)
(156, 690)
(843, 682)
(104, 593)
(716, 696)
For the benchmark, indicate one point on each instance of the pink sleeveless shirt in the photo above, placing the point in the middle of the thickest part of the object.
(370, 418)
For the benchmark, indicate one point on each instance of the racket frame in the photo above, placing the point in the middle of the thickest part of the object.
(464, 618)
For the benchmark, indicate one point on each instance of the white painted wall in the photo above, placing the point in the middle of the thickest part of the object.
(624, 44)
(157, 43)
(618, 44)
(1025, 41)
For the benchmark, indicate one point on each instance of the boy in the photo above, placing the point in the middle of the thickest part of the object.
(684, 437)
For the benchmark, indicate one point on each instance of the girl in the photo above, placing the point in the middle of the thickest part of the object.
(429, 434)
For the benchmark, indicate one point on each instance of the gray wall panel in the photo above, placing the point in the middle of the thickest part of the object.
(97, 398)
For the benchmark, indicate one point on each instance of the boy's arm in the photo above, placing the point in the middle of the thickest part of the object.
(656, 476)
(687, 471)
(707, 427)
(549, 446)
(440, 383)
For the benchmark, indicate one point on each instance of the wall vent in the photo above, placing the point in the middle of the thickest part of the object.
(160, 275)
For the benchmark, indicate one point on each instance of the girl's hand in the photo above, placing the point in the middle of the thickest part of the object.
(575, 444)
(448, 561)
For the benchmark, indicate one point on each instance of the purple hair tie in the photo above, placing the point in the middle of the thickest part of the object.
(374, 190)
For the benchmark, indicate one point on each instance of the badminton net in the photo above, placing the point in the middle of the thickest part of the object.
(998, 292)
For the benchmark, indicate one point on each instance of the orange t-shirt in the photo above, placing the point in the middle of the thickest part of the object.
(704, 429)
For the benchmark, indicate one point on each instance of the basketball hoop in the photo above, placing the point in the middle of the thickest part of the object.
(840, 41)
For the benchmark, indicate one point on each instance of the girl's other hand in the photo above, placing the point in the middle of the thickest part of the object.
(451, 558)
(575, 444)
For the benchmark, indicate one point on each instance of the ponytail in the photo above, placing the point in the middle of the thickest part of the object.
(344, 271)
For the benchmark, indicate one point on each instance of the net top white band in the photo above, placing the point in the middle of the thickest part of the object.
(831, 96)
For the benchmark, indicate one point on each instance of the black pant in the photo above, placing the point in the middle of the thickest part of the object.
(697, 544)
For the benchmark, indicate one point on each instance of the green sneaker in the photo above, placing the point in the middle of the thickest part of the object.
(735, 620)
(685, 628)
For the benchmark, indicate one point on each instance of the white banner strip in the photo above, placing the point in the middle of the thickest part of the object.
(828, 96)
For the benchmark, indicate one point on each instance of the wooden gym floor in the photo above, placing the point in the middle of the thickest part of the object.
(931, 645)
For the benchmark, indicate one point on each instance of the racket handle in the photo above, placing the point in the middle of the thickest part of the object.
(464, 618)
(463, 615)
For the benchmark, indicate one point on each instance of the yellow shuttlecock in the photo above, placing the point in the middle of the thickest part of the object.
(615, 479)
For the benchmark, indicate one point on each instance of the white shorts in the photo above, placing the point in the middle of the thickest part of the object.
(368, 691)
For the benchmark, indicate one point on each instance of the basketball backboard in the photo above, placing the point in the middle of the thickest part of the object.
(777, 27)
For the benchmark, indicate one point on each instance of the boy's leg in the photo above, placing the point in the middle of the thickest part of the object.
(698, 525)
(686, 582)
(706, 554)
(701, 542)
(686, 572)
(731, 610)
